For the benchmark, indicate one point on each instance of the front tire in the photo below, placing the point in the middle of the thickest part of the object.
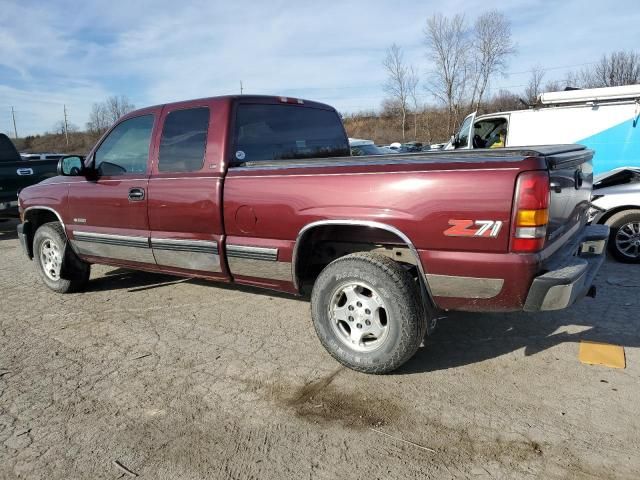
(624, 242)
(58, 266)
(367, 312)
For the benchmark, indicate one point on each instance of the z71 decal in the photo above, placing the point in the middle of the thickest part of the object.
(471, 228)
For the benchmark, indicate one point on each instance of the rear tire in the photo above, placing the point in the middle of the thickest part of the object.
(58, 266)
(367, 312)
(624, 241)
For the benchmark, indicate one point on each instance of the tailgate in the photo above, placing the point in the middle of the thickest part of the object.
(571, 181)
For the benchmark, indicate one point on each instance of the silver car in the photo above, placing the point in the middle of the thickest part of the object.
(616, 196)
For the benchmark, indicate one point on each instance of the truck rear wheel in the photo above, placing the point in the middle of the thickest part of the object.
(367, 312)
(59, 267)
(624, 243)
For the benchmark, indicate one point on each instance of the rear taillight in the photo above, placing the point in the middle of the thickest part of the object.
(531, 212)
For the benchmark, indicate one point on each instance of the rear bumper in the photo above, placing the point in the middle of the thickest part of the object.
(570, 276)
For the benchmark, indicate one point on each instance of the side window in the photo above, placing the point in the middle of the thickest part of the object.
(126, 149)
(184, 139)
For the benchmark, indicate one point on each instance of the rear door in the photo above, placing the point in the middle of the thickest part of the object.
(108, 213)
(185, 190)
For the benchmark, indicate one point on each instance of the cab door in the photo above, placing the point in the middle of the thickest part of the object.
(108, 210)
(185, 190)
(463, 138)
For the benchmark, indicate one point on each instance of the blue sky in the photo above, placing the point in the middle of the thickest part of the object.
(60, 52)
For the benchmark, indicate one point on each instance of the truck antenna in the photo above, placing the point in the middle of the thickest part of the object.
(241, 89)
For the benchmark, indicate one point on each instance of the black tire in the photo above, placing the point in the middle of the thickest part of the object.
(619, 224)
(405, 322)
(73, 274)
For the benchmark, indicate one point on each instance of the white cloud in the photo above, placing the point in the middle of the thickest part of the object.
(77, 53)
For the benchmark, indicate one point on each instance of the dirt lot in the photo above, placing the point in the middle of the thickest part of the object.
(174, 378)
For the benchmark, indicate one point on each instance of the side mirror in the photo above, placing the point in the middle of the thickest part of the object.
(455, 141)
(71, 166)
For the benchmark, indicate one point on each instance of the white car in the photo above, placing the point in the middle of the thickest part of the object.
(616, 198)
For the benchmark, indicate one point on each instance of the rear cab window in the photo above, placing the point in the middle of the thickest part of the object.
(268, 132)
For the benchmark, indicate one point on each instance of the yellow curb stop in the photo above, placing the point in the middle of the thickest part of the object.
(595, 353)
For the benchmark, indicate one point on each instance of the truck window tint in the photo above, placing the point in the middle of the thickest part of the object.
(282, 132)
(184, 138)
(126, 149)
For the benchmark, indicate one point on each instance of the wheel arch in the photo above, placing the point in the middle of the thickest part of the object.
(35, 217)
(305, 234)
(613, 211)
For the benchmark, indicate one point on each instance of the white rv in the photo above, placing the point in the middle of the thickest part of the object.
(606, 120)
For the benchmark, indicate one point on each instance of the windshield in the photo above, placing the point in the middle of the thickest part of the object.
(360, 150)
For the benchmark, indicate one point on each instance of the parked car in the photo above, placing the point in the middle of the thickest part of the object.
(17, 173)
(409, 147)
(262, 191)
(606, 120)
(616, 196)
(360, 147)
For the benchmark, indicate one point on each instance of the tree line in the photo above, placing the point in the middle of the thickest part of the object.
(467, 57)
(68, 138)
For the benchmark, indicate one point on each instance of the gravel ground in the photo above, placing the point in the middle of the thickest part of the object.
(172, 378)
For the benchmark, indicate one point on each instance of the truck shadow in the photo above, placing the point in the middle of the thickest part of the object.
(8, 229)
(467, 338)
(137, 281)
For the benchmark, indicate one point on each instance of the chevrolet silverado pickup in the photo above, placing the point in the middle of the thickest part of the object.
(17, 173)
(262, 191)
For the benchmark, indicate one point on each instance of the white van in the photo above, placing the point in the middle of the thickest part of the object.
(606, 120)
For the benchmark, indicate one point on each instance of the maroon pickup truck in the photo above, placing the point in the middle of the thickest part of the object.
(261, 191)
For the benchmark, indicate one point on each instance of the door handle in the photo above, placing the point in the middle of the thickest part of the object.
(24, 171)
(136, 194)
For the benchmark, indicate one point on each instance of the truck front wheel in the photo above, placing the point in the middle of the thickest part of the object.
(367, 312)
(60, 269)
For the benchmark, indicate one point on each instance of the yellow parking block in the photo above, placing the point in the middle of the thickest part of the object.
(595, 353)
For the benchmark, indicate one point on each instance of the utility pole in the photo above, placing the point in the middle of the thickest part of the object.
(15, 130)
(241, 87)
(66, 126)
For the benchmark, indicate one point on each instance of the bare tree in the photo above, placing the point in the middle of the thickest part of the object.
(534, 87)
(412, 85)
(491, 47)
(617, 69)
(104, 114)
(448, 47)
(397, 84)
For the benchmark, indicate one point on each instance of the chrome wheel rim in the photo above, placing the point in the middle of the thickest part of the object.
(51, 259)
(628, 239)
(358, 316)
